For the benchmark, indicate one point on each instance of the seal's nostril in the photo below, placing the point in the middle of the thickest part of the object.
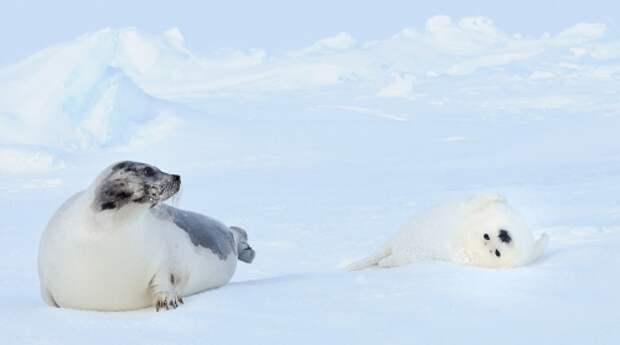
(504, 236)
(176, 178)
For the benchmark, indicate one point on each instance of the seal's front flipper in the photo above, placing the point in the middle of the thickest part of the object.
(167, 301)
(163, 287)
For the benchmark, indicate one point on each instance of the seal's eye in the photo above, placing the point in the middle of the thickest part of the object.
(148, 171)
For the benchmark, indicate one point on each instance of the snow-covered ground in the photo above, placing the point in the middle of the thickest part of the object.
(322, 174)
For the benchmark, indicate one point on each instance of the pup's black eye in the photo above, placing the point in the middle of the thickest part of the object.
(487, 237)
(497, 253)
(148, 171)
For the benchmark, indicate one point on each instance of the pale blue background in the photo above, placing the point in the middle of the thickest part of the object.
(28, 26)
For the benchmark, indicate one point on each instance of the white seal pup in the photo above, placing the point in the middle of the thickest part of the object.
(114, 246)
(481, 231)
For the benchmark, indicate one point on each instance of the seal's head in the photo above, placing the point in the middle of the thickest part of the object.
(129, 182)
(496, 235)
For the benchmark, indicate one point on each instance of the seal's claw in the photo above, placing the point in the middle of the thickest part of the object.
(167, 301)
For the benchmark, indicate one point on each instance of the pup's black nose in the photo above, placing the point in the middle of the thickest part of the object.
(176, 178)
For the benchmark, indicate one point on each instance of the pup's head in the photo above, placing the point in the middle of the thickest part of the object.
(127, 182)
(496, 235)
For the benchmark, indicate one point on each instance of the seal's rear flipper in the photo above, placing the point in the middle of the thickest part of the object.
(369, 261)
(539, 247)
(245, 253)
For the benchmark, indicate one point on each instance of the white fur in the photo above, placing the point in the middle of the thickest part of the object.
(454, 231)
(121, 259)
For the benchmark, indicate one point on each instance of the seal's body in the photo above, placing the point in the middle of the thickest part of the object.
(115, 247)
(480, 231)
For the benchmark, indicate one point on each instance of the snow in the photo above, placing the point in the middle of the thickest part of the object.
(321, 170)
(20, 161)
(581, 32)
(606, 51)
(401, 87)
(67, 96)
(73, 95)
(340, 41)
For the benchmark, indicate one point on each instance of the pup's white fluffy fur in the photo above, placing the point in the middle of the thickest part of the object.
(455, 231)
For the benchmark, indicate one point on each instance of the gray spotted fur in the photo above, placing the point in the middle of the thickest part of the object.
(208, 233)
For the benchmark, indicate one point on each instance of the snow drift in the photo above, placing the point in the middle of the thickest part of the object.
(83, 94)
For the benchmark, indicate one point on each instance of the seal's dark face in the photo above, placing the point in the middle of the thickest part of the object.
(133, 182)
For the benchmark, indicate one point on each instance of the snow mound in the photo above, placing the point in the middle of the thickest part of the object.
(20, 161)
(84, 93)
(103, 87)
